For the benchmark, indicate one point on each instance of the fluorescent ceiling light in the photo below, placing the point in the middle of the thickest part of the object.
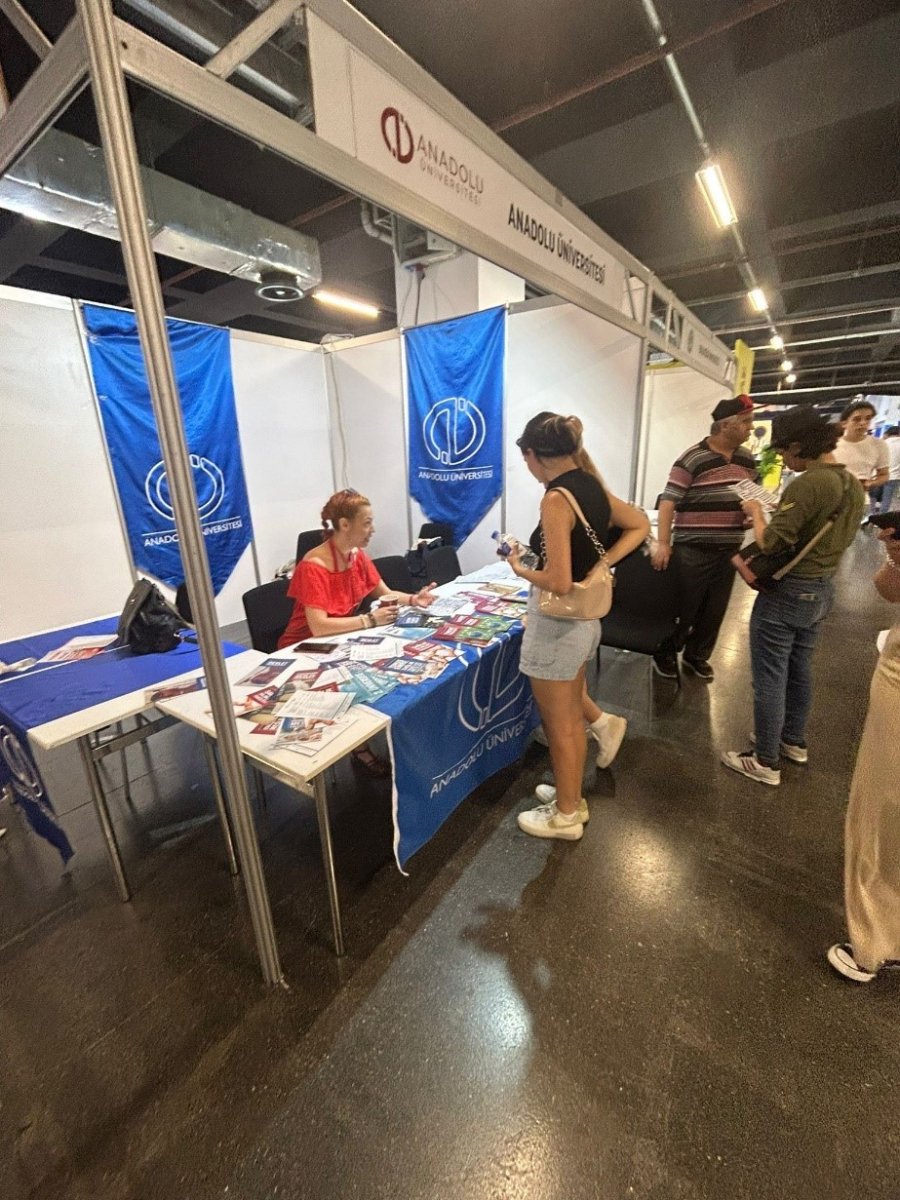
(346, 302)
(712, 184)
(787, 365)
(757, 298)
(792, 378)
(776, 341)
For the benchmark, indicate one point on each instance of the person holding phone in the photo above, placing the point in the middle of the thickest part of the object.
(331, 581)
(554, 650)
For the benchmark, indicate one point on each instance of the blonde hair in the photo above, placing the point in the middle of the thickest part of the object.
(344, 504)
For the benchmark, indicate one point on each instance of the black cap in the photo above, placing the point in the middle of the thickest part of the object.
(731, 407)
(794, 425)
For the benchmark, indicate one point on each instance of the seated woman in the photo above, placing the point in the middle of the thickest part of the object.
(332, 580)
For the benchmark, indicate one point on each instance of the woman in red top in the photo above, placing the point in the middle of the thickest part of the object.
(330, 582)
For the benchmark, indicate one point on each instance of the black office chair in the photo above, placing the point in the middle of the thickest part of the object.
(441, 565)
(268, 610)
(395, 573)
(308, 540)
(433, 529)
(645, 608)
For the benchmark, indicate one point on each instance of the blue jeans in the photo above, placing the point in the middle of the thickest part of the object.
(890, 495)
(783, 632)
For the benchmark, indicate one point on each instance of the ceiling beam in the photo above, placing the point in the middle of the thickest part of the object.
(807, 281)
(835, 313)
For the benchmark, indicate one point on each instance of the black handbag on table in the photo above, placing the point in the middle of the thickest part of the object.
(763, 571)
(149, 624)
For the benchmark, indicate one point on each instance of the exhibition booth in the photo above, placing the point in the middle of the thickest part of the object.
(298, 419)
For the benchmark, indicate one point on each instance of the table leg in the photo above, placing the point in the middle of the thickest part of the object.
(321, 794)
(126, 782)
(106, 825)
(213, 767)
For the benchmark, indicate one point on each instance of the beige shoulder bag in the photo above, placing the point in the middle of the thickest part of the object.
(590, 599)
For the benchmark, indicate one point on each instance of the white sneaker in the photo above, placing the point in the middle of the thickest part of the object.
(841, 958)
(797, 754)
(547, 821)
(746, 763)
(609, 738)
(547, 795)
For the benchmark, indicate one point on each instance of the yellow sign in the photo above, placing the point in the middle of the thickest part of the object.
(743, 357)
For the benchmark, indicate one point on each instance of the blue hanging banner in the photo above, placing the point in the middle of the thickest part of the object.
(455, 377)
(203, 371)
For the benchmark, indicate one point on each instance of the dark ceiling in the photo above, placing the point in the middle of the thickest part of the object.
(799, 101)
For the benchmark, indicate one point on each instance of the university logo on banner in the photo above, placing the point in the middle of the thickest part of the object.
(202, 360)
(455, 388)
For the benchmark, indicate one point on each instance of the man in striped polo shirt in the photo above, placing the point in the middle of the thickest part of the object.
(701, 525)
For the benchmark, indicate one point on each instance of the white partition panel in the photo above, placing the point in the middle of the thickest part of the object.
(62, 552)
(562, 359)
(677, 407)
(368, 433)
(282, 409)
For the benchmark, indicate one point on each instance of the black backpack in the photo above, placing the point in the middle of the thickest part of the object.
(149, 624)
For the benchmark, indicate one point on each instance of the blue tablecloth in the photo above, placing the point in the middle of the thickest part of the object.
(51, 690)
(450, 734)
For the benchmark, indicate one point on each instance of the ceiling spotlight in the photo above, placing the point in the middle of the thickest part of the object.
(776, 341)
(792, 378)
(787, 365)
(757, 298)
(279, 287)
(346, 302)
(712, 184)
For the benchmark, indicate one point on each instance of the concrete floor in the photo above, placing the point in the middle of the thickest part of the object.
(646, 1013)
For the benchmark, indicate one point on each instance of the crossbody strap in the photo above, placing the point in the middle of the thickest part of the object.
(817, 537)
(589, 530)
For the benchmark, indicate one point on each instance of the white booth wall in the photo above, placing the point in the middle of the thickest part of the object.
(309, 421)
(63, 554)
(558, 357)
(678, 402)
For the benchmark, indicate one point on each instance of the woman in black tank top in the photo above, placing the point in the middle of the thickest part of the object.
(554, 651)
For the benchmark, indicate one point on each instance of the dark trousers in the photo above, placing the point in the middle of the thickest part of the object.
(705, 578)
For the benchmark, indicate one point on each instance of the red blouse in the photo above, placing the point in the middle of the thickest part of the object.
(337, 593)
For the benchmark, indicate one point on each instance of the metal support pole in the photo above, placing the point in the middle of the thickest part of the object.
(328, 859)
(120, 153)
(637, 451)
(106, 826)
(213, 767)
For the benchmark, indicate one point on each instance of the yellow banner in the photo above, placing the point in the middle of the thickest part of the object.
(744, 358)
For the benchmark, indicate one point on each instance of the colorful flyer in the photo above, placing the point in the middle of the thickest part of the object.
(265, 672)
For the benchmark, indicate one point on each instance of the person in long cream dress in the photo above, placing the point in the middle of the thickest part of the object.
(872, 834)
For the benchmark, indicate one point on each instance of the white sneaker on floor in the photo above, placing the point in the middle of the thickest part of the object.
(546, 793)
(609, 738)
(797, 754)
(841, 958)
(746, 763)
(546, 821)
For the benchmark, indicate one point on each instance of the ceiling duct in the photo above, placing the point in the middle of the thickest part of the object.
(200, 28)
(413, 246)
(63, 180)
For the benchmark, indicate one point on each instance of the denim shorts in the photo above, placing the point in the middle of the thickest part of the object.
(554, 648)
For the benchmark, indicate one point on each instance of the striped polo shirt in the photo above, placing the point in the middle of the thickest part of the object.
(707, 512)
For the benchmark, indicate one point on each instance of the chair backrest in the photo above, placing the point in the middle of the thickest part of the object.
(395, 573)
(308, 540)
(442, 565)
(641, 591)
(433, 529)
(644, 614)
(268, 609)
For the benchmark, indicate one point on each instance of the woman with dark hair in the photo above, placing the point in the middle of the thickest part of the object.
(785, 623)
(331, 581)
(555, 650)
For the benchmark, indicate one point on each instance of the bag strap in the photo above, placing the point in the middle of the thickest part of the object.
(595, 541)
(817, 537)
